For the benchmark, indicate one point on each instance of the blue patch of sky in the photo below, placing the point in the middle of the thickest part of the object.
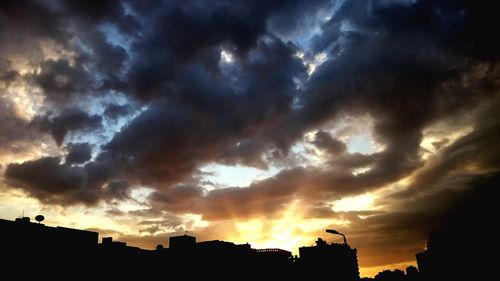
(363, 144)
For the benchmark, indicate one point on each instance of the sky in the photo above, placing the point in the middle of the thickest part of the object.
(250, 121)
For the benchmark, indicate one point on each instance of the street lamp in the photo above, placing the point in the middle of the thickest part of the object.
(332, 231)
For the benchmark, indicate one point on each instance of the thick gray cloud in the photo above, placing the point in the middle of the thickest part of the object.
(69, 120)
(49, 180)
(78, 153)
(59, 80)
(323, 140)
(476, 149)
(16, 133)
(117, 189)
(161, 149)
(54, 182)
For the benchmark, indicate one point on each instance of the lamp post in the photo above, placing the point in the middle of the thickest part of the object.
(332, 231)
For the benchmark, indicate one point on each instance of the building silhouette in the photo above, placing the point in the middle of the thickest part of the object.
(339, 259)
(390, 275)
(184, 242)
(56, 253)
(412, 273)
(28, 247)
(451, 254)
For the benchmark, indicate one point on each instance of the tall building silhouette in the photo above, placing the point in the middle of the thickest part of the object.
(451, 254)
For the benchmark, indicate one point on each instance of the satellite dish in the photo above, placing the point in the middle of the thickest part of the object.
(159, 247)
(39, 218)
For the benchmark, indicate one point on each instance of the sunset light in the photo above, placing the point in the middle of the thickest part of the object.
(240, 131)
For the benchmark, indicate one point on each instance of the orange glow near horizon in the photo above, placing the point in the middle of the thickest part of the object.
(290, 231)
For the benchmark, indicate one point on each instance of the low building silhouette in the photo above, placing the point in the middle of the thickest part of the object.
(58, 252)
(412, 273)
(183, 242)
(338, 259)
(119, 249)
(24, 236)
(42, 248)
(275, 255)
(390, 275)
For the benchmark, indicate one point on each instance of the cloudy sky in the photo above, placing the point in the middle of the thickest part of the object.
(250, 121)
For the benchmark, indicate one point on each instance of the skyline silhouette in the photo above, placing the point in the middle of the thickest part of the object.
(68, 250)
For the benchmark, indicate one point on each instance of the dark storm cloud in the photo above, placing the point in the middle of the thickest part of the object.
(406, 65)
(96, 67)
(95, 11)
(54, 182)
(191, 31)
(8, 77)
(350, 161)
(446, 24)
(59, 80)
(88, 61)
(403, 87)
(323, 140)
(16, 134)
(477, 149)
(118, 189)
(263, 198)
(403, 77)
(107, 58)
(42, 19)
(28, 18)
(178, 198)
(160, 148)
(69, 120)
(14, 131)
(260, 199)
(7, 74)
(314, 187)
(78, 153)
(49, 180)
(297, 17)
